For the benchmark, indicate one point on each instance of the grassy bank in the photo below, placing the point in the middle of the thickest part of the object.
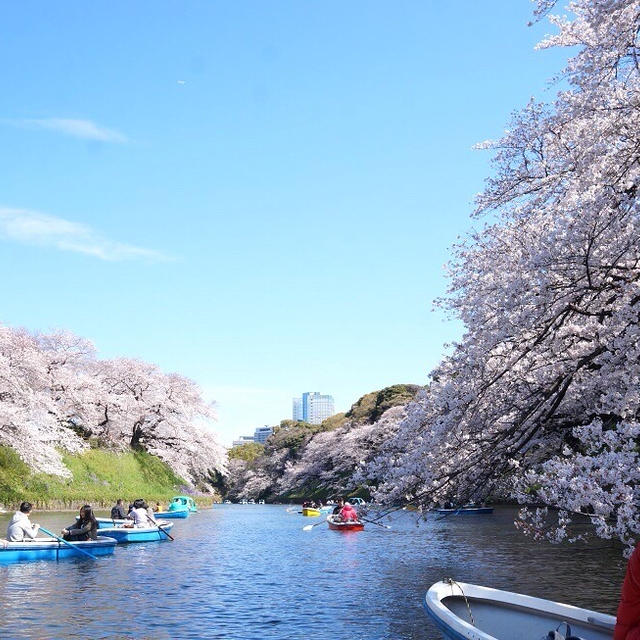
(99, 477)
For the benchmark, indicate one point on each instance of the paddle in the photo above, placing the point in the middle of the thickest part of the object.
(73, 546)
(308, 527)
(384, 526)
(166, 533)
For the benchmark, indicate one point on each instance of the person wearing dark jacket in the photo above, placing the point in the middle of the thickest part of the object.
(85, 528)
(628, 618)
(338, 508)
(118, 512)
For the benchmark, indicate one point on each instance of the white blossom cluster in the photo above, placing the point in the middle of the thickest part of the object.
(540, 400)
(55, 396)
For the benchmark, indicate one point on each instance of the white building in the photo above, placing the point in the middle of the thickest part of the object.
(313, 407)
(242, 440)
(262, 433)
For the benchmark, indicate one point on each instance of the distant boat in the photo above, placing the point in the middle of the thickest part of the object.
(227, 502)
(467, 509)
(326, 509)
(308, 511)
(48, 549)
(470, 612)
(243, 502)
(252, 501)
(356, 502)
(260, 501)
(123, 534)
(338, 525)
(183, 502)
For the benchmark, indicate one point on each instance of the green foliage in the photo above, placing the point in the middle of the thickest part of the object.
(99, 477)
(334, 422)
(248, 451)
(371, 406)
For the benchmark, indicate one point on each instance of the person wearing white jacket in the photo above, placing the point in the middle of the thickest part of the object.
(20, 528)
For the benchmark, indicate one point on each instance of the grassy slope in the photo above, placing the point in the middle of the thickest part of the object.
(99, 477)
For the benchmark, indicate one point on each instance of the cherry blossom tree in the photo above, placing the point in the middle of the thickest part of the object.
(55, 395)
(540, 400)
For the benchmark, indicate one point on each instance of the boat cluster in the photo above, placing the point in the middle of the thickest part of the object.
(141, 524)
(341, 516)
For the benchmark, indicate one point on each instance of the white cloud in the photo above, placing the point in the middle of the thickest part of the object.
(85, 129)
(32, 227)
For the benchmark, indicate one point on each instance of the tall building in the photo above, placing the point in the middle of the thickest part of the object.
(262, 433)
(313, 407)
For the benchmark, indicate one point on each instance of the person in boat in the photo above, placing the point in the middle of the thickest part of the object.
(118, 512)
(141, 514)
(20, 528)
(628, 618)
(158, 507)
(348, 513)
(338, 508)
(85, 528)
(150, 514)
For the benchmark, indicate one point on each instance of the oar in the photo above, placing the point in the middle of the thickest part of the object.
(73, 546)
(166, 533)
(308, 527)
(384, 526)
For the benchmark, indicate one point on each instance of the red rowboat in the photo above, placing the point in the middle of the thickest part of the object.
(350, 525)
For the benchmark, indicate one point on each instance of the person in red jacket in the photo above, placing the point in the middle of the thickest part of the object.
(628, 618)
(348, 513)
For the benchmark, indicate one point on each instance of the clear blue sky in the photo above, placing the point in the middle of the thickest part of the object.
(258, 195)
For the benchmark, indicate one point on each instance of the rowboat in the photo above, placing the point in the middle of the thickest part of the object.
(470, 612)
(351, 525)
(308, 511)
(122, 534)
(48, 549)
(182, 502)
(466, 510)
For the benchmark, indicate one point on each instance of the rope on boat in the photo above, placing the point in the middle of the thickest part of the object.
(451, 581)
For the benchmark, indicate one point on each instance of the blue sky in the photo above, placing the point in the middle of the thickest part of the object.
(258, 195)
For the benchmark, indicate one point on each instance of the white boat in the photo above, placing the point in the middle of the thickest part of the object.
(470, 612)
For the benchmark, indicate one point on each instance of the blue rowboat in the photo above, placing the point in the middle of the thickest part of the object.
(48, 549)
(124, 534)
(470, 612)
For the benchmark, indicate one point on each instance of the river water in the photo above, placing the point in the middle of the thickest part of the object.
(250, 572)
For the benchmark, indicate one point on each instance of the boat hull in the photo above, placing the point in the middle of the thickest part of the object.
(172, 514)
(48, 549)
(131, 534)
(314, 513)
(497, 614)
(350, 525)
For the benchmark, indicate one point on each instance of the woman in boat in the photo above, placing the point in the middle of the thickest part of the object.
(20, 528)
(85, 528)
(628, 618)
(141, 514)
